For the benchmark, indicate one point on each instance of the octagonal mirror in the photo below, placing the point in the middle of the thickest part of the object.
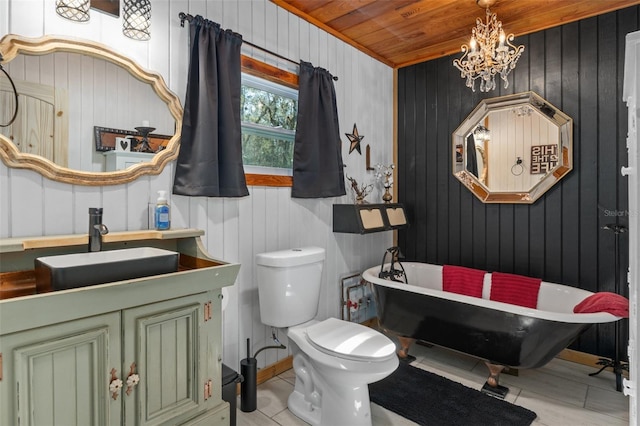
(513, 149)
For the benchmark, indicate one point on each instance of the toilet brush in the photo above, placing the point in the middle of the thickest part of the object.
(248, 391)
(249, 370)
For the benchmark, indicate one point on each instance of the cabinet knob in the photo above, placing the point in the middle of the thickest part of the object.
(115, 384)
(132, 379)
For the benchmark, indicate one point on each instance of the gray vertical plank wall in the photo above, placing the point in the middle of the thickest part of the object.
(235, 229)
(578, 67)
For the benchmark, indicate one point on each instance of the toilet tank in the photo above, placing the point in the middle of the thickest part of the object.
(289, 285)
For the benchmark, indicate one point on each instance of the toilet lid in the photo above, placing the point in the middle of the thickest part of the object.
(350, 340)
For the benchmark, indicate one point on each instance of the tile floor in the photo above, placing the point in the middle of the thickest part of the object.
(561, 393)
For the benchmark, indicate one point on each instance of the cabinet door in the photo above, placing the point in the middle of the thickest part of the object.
(162, 344)
(220, 416)
(60, 374)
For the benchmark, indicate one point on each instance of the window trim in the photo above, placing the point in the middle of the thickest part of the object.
(268, 72)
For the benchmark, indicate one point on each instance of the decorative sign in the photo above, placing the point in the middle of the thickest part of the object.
(106, 139)
(543, 158)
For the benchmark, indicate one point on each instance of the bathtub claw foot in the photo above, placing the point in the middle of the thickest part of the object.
(492, 387)
(406, 358)
(403, 351)
(499, 391)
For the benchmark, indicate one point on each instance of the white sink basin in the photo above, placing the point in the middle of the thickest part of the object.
(85, 269)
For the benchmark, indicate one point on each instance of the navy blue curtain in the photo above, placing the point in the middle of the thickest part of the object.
(318, 170)
(210, 158)
(472, 160)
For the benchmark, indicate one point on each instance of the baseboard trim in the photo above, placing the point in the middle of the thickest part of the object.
(273, 370)
(585, 359)
(285, 364)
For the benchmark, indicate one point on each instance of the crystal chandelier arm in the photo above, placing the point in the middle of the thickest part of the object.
(467, 70)
(516, 51)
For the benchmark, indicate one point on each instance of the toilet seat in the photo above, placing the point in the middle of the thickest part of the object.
(349, 340)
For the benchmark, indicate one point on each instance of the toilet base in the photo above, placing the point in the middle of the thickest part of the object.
(340, 407)
(332, 390)
(303, 409)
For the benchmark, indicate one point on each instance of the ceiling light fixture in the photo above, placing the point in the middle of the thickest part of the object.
(137, 19)
(74, 10)
(491, 52)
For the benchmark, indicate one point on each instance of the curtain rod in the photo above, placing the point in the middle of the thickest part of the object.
(188, 17)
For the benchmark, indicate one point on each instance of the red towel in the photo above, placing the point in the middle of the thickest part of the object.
(604, 302)
(515, 289)
(461, 280)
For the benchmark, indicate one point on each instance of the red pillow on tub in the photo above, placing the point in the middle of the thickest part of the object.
(461, 280)
(515, 289)
(604, 301)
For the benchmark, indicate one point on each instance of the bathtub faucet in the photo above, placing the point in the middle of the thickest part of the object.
(393, 274)
(395, 253)
(96, 229)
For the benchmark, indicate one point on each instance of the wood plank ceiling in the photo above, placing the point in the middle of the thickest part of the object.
(405, 32)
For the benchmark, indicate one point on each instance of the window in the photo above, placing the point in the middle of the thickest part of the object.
(268, 114)
(284, 84)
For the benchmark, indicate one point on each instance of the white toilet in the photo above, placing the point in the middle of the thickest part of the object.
(333, 360)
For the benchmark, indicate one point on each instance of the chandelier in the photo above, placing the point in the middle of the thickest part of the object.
(490, 52)
(481, 133)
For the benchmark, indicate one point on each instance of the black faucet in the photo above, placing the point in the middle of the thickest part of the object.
(96, 229)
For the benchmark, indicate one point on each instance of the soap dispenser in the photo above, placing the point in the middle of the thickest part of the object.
(162, 213)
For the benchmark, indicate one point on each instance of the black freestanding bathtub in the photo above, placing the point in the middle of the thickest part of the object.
(501, 334)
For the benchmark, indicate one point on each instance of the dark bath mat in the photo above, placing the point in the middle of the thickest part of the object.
(432, 400)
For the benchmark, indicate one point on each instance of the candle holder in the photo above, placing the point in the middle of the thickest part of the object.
(144, 146)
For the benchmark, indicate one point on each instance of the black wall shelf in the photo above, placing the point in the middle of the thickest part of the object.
(367, 218)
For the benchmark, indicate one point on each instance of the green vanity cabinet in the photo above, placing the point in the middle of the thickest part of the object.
(171, 346)
(58, 374)
(139, 352)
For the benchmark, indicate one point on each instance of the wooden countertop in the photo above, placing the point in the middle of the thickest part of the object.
(18, 244)
(17, 278)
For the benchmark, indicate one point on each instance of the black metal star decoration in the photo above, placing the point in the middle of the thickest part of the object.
(355, 139)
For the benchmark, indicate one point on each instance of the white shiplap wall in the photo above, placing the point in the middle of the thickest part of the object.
(87, 81)
(235, 229)
(512, 139)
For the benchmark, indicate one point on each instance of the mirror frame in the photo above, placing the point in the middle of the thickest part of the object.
(565, 160)
(11, 45)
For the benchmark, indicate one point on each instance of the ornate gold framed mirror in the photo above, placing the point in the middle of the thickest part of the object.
(513, 149)
(68, 86)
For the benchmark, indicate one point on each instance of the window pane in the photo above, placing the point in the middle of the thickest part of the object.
(268, 114)
(270, 151)
(268, 109)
